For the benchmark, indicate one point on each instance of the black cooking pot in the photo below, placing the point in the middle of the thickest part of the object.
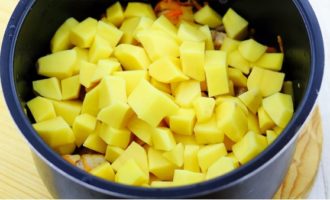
(27, 38)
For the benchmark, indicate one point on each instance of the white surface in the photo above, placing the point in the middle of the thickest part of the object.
(321, 187)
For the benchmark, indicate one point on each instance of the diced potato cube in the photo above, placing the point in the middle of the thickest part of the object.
(208, 41)
(190, 158)
(87, 70)
(109, 33)
(70, 87)
(115, 14)
(278, 130)
(49, 88)
(186, 92)
(192, 59)
(161, 86)
(116, 115)
(55, 132)
(145, 100)
(207, 155)
(204, 107)
(100, 49)
(249, 147)
(167, 70)
(186, 177)
(104, 171)
(265, 122)
(272, 61)
(141, 129)
(41, 108)
(91, 102)
(112, 89)
(220, 99)
(158, 44)
(160, 166)
(236, 60)
(82, 55)
(49, 65)
(132, 78)
(232, 120)
(267, 81)
(184, 139)
(136, 152)
(220, 167)
(229, 45)
(251, 50)
(138, 9)
(84, 33)
(61, 39)
(237, 77)
(253, 123)
(104, 68)
(208, 16)
(183, 121)
(128, 28)
(130, 173)
(175, 155)
(252, 99)
(95, 143)
(161, 184)
(65, 149)
(279, 107)
(132, 57)
(115, 137)
(162, 139)
(188, 32)
(112, 153)
(271, 136)
(235, 160)
(83, 126)
(236, 27)
(208, 132)
(216, 71)
(69, 110)
(162, 23)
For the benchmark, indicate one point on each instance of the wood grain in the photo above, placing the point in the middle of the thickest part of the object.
(19, 177)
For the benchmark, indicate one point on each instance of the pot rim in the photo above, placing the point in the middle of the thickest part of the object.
(79, 176)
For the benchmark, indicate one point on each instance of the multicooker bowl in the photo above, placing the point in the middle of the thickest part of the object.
(27, 38)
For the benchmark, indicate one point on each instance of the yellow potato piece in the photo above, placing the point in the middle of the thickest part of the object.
(249, 147)
(95, 143)
(279, 107)
(160, 166)
(145, 99)
(82, 55)
(163, 139)
(132, 78)
(192, 56)
(183, 121)
(55, 132)
(233, 157)
(265, 122)
(271, 136)
(100, 49)
(83, 126)
(184, 139)
(278, 130)
(137, 9)
(65, 149)
(229, 45)
(61, 38)
(220, 167)
(84, 33)
(186, 177)
(216, 71)
(190, 158)
(163, 24)
(237, 77)
(208, 41)
(91, 102)
(220, 99)
(141, 129)
(161, 86)
(115, 14)
(69, 110)
(70, 87)
(112, 153)
(272, 61)
(87, 70)
(209, 154)
(252, 99)
(41, 108)
(104, 171)
(208, 132)
(204, 108)
(208, 16)
(253, 123)
(186, 92)
(175, 155)
(132, 57)
(104, 68)
(267, 81)
(128, 28)
(49, 88)
(232, 120)
(167, 70)
(251, 50)
(188, 32)
(116, 115)
(115, 137)
(49, 65)
(236, 60)
(236, 27)
(161, 184)
(130, 173)
(112, 89)
(110, 34)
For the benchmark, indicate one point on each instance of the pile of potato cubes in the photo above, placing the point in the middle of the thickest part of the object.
(157, 99)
